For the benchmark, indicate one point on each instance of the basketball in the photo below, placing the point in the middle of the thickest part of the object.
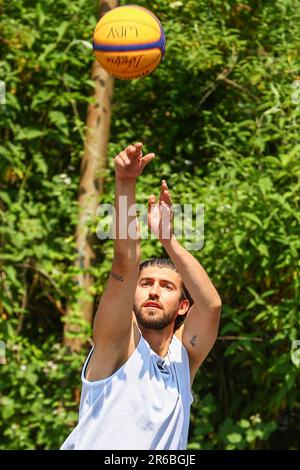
(129, 42)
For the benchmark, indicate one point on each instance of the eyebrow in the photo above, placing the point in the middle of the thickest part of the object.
(164, 280)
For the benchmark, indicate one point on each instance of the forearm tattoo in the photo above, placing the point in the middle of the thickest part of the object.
(193, 340)
(116, 276)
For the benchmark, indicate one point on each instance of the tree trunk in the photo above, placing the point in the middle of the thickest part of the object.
(90, 189)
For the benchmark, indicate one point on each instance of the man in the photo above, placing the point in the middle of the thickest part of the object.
(138, 375)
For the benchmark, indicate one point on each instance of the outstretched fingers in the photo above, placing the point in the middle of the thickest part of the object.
(134, 153)
(130, 162)
(165, 195)
(151, 202)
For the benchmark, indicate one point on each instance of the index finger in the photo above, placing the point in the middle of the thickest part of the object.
(139, 149)
(138, 145)
(165, 193)
(131, 152)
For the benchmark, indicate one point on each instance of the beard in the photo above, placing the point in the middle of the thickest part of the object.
(156, 321)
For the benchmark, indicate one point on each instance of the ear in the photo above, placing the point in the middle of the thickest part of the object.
(184, 305)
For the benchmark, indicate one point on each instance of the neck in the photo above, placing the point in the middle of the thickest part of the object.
(158, 340)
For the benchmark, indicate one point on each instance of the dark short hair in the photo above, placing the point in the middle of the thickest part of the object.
(168, 263)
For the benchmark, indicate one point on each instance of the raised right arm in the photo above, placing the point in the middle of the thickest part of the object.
(113, 317)
(112, 327)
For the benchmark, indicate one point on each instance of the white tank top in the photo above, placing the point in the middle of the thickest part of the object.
(143, 405)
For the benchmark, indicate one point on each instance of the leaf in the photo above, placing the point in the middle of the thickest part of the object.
(62, 29)
(40, 98)
(244, 423)
(265, 184)
(237, 239)
(59, 120)
(40, 14)
(5, 197)
(7, 408)
(12, 274)
(263, 250)
(31, 377)
(49, 48)
(41, 164)
(28, 134)
(252, 217)
(234, 438)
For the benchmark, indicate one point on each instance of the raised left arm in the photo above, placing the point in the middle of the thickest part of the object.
(200, 329)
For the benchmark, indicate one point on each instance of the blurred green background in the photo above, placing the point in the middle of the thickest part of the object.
(222, 114)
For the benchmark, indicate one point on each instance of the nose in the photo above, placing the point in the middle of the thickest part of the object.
(154, 290)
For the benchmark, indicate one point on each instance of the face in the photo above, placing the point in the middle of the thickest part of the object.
(156, 303)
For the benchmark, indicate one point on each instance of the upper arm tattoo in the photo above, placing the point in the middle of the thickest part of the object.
(193, 340)
(116, 276)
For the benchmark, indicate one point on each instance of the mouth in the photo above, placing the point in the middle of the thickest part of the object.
(152, 305)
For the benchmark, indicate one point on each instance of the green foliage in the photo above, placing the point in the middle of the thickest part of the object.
(219, 114)
(43, 383)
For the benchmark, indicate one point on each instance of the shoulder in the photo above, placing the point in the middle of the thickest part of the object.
(104, 362)
(178, 333)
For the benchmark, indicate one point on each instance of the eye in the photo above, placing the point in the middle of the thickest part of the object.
(145, 283)
(169, 287)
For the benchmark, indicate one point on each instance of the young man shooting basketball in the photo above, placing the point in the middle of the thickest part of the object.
(137, 378)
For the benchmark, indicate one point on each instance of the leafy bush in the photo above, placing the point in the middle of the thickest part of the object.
(219, 113)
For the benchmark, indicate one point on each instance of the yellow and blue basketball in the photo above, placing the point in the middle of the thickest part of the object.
(129, 42)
